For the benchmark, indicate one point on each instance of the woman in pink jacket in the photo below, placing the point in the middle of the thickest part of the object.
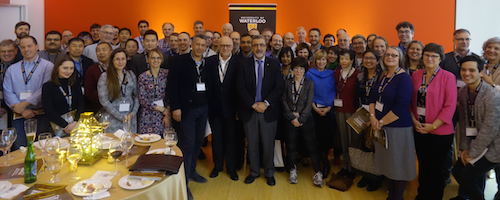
(432, 107)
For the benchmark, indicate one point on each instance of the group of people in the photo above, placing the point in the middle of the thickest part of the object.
(265, 86)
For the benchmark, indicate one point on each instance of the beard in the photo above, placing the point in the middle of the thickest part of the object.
(21, 35)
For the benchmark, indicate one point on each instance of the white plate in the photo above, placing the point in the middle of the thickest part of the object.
(134, 183)
(147, 138)
(160, 151)
(4, 186)
(100, 185)
(63, 143)
(105, 144)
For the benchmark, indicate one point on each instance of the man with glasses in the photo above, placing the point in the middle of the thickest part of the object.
(405, 34)
(139, 62)
(8, 51)
(276, 45)
(106, 34)
(52, 46)
(259, 86)
(143, 26)
(66, 36)
(359, 46)
(209, 52)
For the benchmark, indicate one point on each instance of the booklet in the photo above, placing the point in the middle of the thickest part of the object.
(359, 120)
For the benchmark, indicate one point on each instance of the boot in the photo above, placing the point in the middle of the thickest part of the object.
(326, 164)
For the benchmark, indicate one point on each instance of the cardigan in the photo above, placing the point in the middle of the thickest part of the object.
(348, 94)
(304, 103)
(487, 114)
(440, 100)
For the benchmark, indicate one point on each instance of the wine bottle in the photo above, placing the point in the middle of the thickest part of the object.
(30, 166)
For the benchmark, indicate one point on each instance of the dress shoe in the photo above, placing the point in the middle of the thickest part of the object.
(233, 175)
(214, 173)
(250, 179)
(363, 182)
(271, 181)
(197, 178)
(374, 186)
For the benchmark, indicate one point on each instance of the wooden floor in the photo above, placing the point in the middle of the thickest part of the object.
(223, 188)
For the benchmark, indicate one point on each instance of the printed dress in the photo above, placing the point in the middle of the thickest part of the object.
(152, 89)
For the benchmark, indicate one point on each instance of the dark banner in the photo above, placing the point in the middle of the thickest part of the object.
(245, 17)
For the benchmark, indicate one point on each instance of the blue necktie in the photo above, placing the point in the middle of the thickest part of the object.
(258, 95)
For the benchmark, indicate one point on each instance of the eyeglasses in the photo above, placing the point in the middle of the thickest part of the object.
(209, 38)
(225, 46)
(370, 58)
(463, 39)
(388, 55)
(85, 38)
(107, 33)
(344, 40)
(426, 56)
(299, 69)
(404, 32)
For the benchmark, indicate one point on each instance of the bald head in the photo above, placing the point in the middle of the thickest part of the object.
(343, 41)
(225, 46)
(288, 39)
(227, 29)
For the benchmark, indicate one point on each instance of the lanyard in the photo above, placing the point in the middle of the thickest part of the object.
(68, 96)
(296, 93)
(383, 85)
(101, 68)
(28, 78)
(494, 69)
(198, 70)
(423, 87)
(223, 70)
(368, 88)
(346, 77)
(155, 81)
(470, 103)
(123, 86)
(147, 61)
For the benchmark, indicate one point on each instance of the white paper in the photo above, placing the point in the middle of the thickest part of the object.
(366, 107)
(473, 161)
(104, 175)
(24, 95)
(15, 190)
(421, 111)
(159, 103)
(338, 103)
(379, 106)
(471, 132)
(119, 133)
(200, 87)
(124, 107)
(98, 196)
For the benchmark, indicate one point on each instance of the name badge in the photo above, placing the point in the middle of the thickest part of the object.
(24, 95)
(421, 111)
(338, 103)
(471, 131)
(200, 87)
(159, 103)
(379, 106)
(366, 107)
(296, 114)
(124, 107)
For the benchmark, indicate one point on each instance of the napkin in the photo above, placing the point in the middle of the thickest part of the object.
(98, 196)
(15, 190)
(119, 133)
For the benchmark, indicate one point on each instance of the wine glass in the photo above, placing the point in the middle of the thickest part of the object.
(11, 134)
(42, 140)
(104, 119)
(127, 141)
(30, 129)
(52, 146)
(127, 124)
(4, 143)
(54, 165)
(116, 150)
(170, 140)
(75, 153)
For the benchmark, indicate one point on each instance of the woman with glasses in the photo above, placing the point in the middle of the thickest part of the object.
(433, 105)
(389, 102)
(117, 91)
(154, 108)
(413, 56)
(324, 94)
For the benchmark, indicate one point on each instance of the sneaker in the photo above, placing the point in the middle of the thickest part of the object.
(318, 179)
(292, 179)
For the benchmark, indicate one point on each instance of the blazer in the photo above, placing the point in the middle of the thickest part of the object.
(304, 103)
(222, 97)
(182, 79)
(272, 88)
(487, 111)
(86, 63)
(138, 63)
(440, 100)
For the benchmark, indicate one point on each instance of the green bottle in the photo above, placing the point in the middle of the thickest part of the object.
(30, 170)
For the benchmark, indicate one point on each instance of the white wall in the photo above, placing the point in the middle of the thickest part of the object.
(480, 18)
(31, 11)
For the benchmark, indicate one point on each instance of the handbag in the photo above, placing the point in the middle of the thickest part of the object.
(339, 183)
(68, 117)
(363, 158)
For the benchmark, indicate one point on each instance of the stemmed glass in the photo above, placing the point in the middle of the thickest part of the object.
(54, 165)
(12, 135)
(75, 153)
(171, 139)
(4, 144)
(52, 146)
(104, 119)
(127, 124)
(127, 142)
(42, 141)
(116, 150)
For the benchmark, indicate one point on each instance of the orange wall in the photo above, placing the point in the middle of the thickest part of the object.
(433, 20)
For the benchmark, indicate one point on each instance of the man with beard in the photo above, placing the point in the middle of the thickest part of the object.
(22, 29)
(143, 26)
(52, 46)
(314, 38)
(235, 36)
(246, 46)
(116, 40)
(94, 31)
(276, 45)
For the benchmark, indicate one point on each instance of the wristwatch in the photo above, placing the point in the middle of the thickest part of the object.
(267, 103)
(381, 122)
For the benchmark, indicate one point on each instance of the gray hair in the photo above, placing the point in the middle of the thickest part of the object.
(106, 26)
(488, 42)
(401, 56)
(8, 42)
(228, 24)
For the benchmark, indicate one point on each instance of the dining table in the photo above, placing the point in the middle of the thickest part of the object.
(169, 187)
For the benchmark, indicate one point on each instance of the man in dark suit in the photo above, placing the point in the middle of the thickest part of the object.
(260, 85)
(139, 62)
(221, 73)
(188, 102)
(75, 51)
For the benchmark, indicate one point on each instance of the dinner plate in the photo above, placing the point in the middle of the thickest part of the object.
(4, 186)
(105, 144)
(147, 138)
(63, 143)
(90, 187)
(134, 183)
(161, 151)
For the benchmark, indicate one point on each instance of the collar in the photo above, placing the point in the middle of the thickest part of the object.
(224, 61)
(197, 63)
(37, 57)
(456, 53)
(262, 59)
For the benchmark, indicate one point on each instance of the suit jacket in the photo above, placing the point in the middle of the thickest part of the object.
(86, 63)
(304, 103)
(222, 97)
(272, 88)
(182, 79)
(138, 63)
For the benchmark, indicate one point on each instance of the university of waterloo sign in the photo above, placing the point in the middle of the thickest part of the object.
(245, 17)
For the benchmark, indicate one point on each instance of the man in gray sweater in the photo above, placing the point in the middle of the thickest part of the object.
(479, 124)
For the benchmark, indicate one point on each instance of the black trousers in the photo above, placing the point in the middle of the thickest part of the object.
(223, 142)
(304, 136)
(468, 175)
(431, 152)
